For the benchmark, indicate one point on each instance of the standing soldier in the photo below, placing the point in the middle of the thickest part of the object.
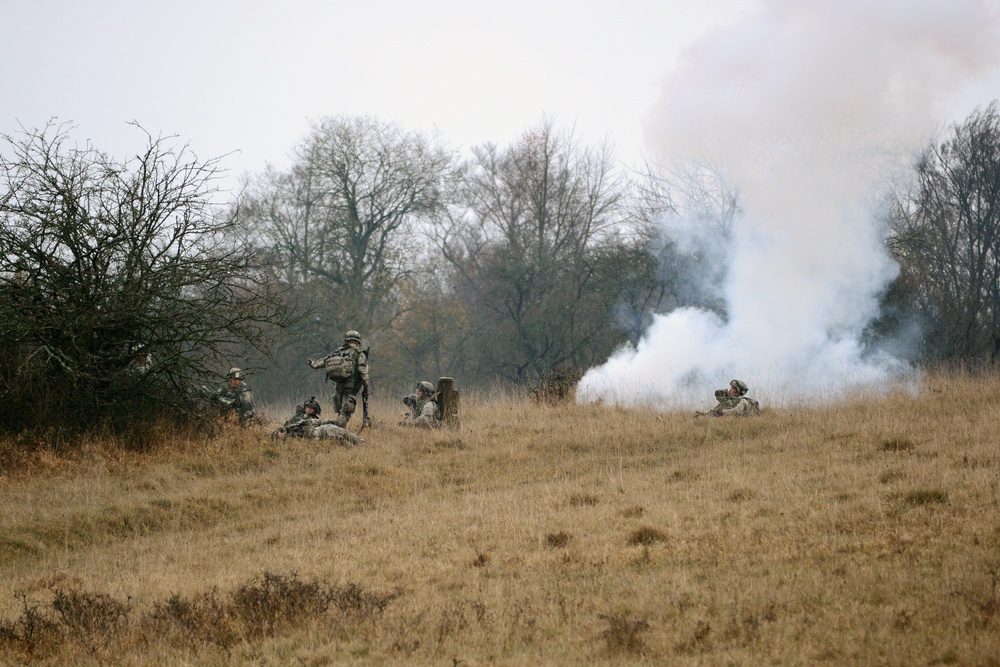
(424, 410)
(347, 366)
(235, 396)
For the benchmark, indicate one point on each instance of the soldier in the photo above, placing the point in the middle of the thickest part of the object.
(734, 402)
(235, 396)
(307, 424)
(347, 366)
(295, 425)
(141, 362)
(424, 410)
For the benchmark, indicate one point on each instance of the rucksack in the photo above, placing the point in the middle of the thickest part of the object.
(340, 365)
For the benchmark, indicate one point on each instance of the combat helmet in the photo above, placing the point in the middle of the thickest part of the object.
(314, 404)
(352, 336)
(234, 374)
(427, 387)
(740, 386)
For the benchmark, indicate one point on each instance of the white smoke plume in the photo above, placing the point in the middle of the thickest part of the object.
(804, 106)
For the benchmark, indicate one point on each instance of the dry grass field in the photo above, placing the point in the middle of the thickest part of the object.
(861, 533)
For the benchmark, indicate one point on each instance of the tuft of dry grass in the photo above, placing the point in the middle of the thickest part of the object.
(583, 500)
(624, 633)
(861, 532)
(646, 536)
(896, 444)
(926, 497)
(558, 540)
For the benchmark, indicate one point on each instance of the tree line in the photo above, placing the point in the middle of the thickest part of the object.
(507, 264)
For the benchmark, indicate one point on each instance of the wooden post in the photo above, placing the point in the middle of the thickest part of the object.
(448, 401)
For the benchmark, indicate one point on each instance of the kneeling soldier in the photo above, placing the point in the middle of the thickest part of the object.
(234, 397)
(424, 410)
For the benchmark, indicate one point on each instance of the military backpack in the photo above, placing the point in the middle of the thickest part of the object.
(340, 365)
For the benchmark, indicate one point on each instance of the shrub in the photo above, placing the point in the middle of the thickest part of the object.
(623, 634)
(557, 540)
(556, 385)
(926, 497)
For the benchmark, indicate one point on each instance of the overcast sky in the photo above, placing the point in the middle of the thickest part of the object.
(248, 75)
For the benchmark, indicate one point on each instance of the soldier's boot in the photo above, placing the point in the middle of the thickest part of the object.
(349, 439)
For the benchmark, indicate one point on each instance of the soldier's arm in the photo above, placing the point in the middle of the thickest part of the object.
(320, 363)
(429, 410)
(363, 370)
(427, 417)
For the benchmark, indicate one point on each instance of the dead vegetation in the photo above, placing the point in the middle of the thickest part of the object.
(556, 385)
(96, 624)
(860, 533)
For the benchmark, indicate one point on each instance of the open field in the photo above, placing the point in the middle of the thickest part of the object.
(864, 533)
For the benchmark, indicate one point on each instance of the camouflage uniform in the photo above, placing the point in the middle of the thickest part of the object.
(424, 412)
(344, 399)
(324, 428)
(735, 406)
(238, 399)
(304, 425)
(141, 363)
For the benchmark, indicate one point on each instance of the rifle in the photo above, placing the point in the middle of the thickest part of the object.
(365, 419)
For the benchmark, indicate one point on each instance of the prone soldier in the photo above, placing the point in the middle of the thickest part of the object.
(306, 423)
(733, 402)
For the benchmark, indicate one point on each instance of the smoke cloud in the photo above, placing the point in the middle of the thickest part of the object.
(805, 106)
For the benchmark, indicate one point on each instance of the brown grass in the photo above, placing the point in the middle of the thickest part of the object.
(862, 533)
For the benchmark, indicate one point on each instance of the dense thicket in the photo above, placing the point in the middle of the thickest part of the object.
(121, 290)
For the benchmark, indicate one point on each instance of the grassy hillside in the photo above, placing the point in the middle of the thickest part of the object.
(864, 533)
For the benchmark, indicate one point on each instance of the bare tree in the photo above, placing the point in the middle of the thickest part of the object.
(946, 236)
(433, 336)
(343, 214)
(102, 261)
(526, 250)
(339, 225)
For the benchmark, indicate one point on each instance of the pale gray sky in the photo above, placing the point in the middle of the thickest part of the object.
(248, 75)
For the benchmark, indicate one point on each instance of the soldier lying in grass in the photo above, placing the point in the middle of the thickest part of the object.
(733, 402)
(307, 424)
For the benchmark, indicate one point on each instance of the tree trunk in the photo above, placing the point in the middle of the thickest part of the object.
(448, 401)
